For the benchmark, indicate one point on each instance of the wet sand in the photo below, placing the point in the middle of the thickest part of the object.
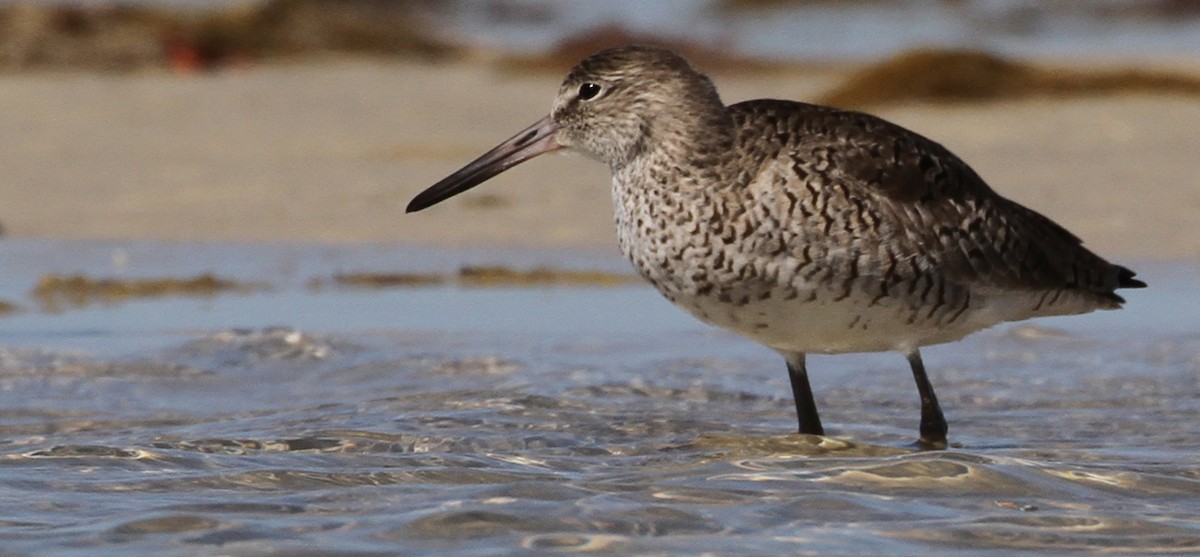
(331, 152)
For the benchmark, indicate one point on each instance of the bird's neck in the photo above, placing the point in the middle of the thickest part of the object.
(688, 154)
(669, 188)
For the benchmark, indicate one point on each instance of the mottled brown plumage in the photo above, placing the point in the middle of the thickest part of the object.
(805, 228)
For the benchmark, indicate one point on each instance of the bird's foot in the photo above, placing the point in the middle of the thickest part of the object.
(816, 429)
(926, 444)
(933, 435)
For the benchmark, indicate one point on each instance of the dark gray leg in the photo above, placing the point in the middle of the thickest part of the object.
(933, 423)
(806, 407)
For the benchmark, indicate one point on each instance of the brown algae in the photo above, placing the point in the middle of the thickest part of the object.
(954, 76)
(481, 277)
(55, 291)
(383, 280)
(541, 276)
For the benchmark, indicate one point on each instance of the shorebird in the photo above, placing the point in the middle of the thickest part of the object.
(806, 228)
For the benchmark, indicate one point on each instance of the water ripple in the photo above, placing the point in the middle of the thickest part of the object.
(298, 441)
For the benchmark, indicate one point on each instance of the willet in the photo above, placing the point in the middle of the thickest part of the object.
(803, 227)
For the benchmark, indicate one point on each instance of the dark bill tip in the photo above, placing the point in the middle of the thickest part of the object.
(529, 143)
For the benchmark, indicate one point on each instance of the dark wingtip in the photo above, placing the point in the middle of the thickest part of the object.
(1125, 279)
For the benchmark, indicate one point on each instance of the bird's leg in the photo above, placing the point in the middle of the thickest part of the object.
(933, 423)
(806, 407)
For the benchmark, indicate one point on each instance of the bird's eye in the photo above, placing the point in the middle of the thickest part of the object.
(588, 91)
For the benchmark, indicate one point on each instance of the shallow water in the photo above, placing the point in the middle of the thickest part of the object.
(553, 420)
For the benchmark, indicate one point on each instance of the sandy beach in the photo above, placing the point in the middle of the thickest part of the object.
(331, 151)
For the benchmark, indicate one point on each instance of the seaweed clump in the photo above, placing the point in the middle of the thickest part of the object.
(125, 37)
(954, 76)
(480, 277)
(541, 276)
(383, 280)
(55, 291)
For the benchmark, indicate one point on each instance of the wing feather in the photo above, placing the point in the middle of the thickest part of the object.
(897, 195)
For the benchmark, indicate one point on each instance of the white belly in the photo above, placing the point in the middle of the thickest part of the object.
(825, 324)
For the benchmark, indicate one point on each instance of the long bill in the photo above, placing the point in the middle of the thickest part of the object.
(529, 143)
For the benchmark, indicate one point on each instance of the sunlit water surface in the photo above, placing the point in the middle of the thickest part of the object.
(553, 420)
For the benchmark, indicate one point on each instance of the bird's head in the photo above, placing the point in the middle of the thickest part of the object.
(614, 106)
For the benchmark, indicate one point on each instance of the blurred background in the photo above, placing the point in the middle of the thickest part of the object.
(316, 120)
(108, 35)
